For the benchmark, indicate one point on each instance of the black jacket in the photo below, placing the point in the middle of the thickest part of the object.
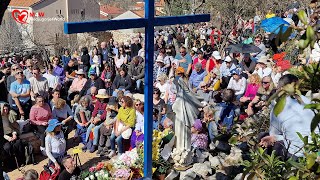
(136, 71)
(127, 82)
(99, 84)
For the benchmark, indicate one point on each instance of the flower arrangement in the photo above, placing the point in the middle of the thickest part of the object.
(127, 159)
(123, 173)
(98, 172)
(129, 165)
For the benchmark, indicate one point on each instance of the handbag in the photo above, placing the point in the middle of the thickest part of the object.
(125, 134)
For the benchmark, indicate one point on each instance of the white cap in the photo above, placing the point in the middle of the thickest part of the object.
(216, 55)
(228, 59)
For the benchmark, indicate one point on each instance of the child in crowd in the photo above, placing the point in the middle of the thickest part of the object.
(210, 122)
(75, 103)
(199, 139)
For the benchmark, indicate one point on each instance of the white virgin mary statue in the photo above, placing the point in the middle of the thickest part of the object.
(186, 111)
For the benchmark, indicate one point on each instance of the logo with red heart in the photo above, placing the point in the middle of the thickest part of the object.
(21, 16)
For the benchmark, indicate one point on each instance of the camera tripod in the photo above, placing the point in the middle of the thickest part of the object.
(76, 158)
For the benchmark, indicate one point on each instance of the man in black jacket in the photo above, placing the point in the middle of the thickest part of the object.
(135, 47)
(93, 81)
(71, 171)
(136, 72)
(85, 60)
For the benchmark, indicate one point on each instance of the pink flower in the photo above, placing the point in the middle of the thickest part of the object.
(92, 169)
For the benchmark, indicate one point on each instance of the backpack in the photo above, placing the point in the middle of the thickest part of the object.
(49, 173)
(227, 115)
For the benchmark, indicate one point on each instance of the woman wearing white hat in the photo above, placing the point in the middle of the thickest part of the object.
(262, 68)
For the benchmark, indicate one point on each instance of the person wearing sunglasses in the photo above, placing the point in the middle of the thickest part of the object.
(137, 134)
(258, 42)
(20, 94)
(11, 78)
(266, 89)
(39, 84)
(185, 60)
(28, 71)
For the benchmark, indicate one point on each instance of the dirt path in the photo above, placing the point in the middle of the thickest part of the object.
(87, 159)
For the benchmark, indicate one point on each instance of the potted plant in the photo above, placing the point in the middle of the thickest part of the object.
(162, 167)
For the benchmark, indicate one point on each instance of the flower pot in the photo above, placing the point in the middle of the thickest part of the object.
(161, 176)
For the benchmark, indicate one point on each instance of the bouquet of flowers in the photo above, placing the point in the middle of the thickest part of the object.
(98, 172)
(123, 173)
(128, 159)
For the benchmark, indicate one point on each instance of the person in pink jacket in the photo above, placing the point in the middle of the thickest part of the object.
(40, 114)
(252, 88)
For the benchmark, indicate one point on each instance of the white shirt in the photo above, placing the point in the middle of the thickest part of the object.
(52, 80)
(238, 86)
(294, 118)
(139, 122)
(162, 88)
(263, 72)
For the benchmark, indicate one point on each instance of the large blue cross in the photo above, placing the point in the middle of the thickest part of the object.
(149, 22)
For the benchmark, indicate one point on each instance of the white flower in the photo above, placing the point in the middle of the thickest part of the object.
(106, 175)
(86, 178)
(91, 177)
(96, 174)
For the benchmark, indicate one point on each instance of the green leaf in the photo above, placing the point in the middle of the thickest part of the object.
(233, 140)
(312, 106)
(293, 178)
(311, 159)
(297, 165)
(315, 121)
(278, 108)
(303, 17)
(318, 170)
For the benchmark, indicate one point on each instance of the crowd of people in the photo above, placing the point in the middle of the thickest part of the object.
(92, 92)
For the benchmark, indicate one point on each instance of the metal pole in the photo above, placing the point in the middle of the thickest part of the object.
(148, 90)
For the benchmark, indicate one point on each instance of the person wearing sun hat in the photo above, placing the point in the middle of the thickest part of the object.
(98, 116)
(262, 68)
(55, 143)
(199, 139)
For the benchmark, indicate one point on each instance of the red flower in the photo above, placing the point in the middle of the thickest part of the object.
(279, 56)
(284, 64)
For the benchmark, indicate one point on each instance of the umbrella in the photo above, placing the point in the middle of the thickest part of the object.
(273, 25)
(243, 48)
